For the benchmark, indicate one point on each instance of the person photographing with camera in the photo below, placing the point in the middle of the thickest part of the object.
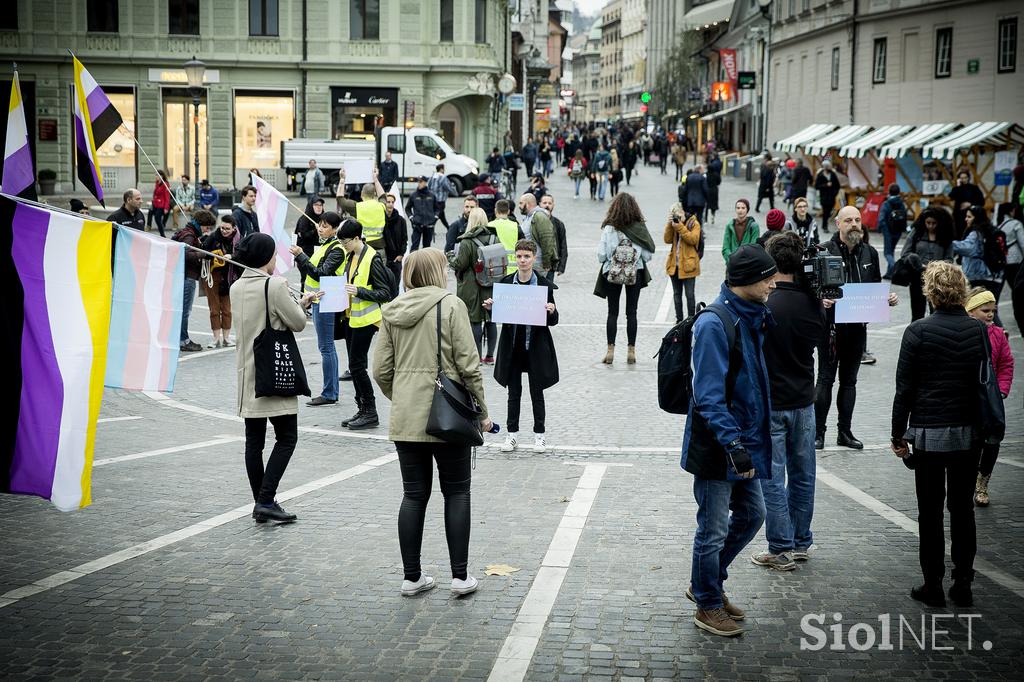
(727, 442)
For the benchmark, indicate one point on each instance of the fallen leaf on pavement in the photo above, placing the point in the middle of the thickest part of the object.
(500, 569)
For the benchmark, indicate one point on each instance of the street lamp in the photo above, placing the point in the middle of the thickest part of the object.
(195, 70)
(766, 11)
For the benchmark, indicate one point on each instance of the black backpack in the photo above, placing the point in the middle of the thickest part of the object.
(675, 371)
(898, 216)
(994, 250)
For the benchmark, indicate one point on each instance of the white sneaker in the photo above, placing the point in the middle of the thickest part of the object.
(511, 441)
(461, 588)
(410, 588)
(539, 444)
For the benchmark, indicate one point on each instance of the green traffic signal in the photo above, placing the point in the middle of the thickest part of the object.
(645, 97)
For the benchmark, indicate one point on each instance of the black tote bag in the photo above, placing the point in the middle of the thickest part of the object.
(279, 370)
(454, 412)
(992, 412)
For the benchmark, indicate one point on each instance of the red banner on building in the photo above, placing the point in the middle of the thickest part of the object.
(728, 58)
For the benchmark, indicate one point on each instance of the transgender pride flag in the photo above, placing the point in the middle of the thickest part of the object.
(54, 321)
(145, 319)
(271, 212)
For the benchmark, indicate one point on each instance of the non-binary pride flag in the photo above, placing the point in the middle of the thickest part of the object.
(95, 120)
(19, 177)
(145, 318)
(271, 212)
(55, 275)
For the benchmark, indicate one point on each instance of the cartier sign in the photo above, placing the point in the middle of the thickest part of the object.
(372, 97)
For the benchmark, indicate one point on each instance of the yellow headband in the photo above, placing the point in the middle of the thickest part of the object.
(979, 300)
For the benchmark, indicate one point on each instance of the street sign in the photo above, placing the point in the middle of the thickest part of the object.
(973, 65)
(746, 80)
(694, 94)
(409, 112)
(517, 102)
(567, 93)
(546, 90)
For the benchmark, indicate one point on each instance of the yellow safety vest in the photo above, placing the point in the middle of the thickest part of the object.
(318, 255)
(371, 216)
(508, 235)
(362, 313)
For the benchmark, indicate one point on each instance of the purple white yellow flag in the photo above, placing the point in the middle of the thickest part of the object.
(272, 212)
(19, 177)
(95, 120)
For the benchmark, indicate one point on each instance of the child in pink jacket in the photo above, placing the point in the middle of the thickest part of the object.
(981, 305)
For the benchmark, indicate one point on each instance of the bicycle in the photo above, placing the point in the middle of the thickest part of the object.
(505, 186)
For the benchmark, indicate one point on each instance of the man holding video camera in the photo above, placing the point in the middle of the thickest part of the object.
(843, 344)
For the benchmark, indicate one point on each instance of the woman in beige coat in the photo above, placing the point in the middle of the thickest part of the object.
(259, 251)
(682, 231)
(404, 366)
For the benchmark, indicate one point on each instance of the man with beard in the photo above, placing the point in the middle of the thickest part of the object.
(844, 344)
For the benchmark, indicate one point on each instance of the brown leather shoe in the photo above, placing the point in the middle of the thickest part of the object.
(735, 612)
(717, 622)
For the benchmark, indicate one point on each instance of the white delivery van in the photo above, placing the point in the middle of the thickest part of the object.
(416, 151)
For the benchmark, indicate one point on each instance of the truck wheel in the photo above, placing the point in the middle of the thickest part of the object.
(457, 184)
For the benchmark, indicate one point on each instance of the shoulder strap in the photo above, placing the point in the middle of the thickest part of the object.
(439, 370)
(266, 299)
(734, 353)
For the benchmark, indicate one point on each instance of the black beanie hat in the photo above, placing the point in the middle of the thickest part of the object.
(749, 264)
(255, 250)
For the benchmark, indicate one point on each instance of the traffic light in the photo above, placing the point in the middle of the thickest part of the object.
(643, 108)
(645, 97)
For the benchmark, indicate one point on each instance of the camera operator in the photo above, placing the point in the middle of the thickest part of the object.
(843, 344)
(789, 356)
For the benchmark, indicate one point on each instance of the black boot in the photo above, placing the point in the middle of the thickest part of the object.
(271, 512)
(846, 439)
(960, 592)
(819, 441)
(929, 595)
(357, 415)
(368, 419)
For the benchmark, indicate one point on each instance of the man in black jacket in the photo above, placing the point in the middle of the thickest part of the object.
(422, 211)
(388, 172)
(801, 180)
(547, 202)
(245, 213)
(789, 356)
(766, 185)
(130, 214)
(860, 262)
(396, 238)
(827, 184)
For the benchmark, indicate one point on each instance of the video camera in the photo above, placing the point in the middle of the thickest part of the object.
(822, 273)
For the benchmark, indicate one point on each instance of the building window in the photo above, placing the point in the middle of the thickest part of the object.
(806, 6)
(792, 9)
(447, 21)
(944, 52)
(878, 72)
(9, 18)
(118, 151)
(101, 16)
(481, 21)
(262, 120)
(835, 68)
(1008, 45)
(263, 17)
(364, 16)
(183, 17)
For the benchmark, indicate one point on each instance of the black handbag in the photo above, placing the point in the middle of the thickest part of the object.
(279, 370)
(454, 412)
(907, 270)
(992, 412)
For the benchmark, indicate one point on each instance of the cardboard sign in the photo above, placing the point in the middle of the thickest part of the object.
(863, 303)
(518, 304)
(335, 298)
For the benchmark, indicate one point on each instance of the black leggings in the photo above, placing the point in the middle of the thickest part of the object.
(286, 435)
(478, 335)
(454, 472)
(851, 340)
(614, 292)
(678, 287)
(946, 477)
(989, 455)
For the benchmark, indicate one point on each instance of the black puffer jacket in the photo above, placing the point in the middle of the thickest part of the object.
(937, 374)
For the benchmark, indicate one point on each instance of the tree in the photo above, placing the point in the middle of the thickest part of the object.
(678, 73)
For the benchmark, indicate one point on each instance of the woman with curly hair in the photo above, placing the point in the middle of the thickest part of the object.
(625, 249)
(931, 239)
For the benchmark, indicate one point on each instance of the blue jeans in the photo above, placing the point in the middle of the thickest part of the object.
(721, 536)
(578, 182)
(324, 326)
(790, 503)
(186, 306)
(602, 185)
(890, 238)
(549, 167)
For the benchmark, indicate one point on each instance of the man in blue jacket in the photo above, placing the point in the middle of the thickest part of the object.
(727, 443)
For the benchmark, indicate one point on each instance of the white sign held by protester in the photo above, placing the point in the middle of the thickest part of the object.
(518, 304)
(863, 303)
(358, 171)
(335, 298)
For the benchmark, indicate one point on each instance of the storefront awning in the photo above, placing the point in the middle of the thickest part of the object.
(921, 135)
(873, 140)
(811, 132)
(708, 14)
(968, 136)
(724, 112)
(835, 139)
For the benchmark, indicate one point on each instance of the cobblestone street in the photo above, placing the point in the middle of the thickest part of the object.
(166, 577)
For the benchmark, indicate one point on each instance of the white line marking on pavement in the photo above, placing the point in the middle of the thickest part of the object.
(607, 464)
(82, 570)
(219, 440)
(107, 420)
(517, 652)
(665, 305)
(1011, 462)
(1010, 582)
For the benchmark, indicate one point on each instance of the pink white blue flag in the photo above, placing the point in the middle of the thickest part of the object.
(145, 318)
(272, 212)
(19, 177)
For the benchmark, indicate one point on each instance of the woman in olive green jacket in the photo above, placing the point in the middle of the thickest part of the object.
(463, 261)
(740, 230)
(405, 367)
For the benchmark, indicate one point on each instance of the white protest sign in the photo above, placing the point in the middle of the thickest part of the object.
(335, 298)
(863, 303)
(518, 304)
(358, 171)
